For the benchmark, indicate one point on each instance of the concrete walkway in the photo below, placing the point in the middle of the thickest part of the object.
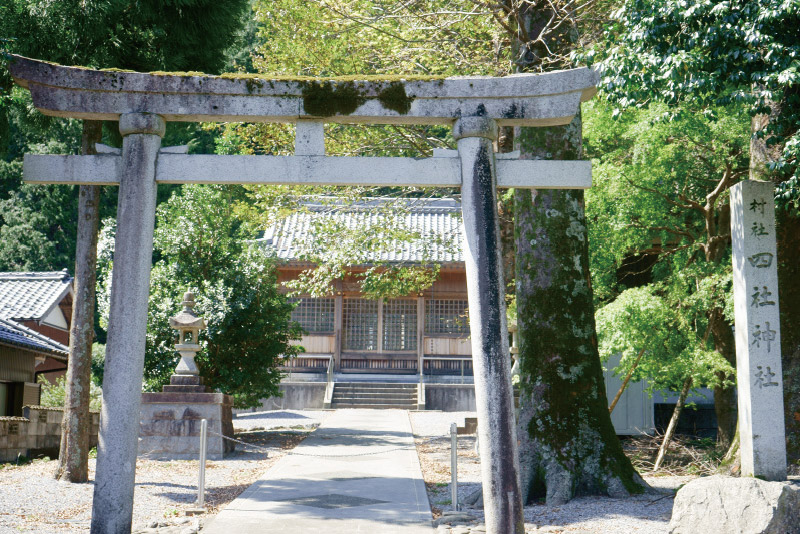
(334, 482)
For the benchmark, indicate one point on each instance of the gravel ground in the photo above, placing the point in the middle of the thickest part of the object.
(596, 515)
(33, 502)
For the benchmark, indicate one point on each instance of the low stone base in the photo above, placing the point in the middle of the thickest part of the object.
(170, 421)
(722, 505)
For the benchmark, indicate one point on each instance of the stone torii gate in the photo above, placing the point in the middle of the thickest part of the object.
(474, 106)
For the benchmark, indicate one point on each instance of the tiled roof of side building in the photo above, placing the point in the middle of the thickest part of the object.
(32, 295)
(436, 222)
(15, 334)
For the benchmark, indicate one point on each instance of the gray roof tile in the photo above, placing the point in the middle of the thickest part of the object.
(32, 295)
(436, 221)
(12, 333)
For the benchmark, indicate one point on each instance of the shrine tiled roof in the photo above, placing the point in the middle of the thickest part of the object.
(17, 335)
(432, 230)
(32, 295)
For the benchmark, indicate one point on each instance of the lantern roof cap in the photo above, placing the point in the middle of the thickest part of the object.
(187, 318)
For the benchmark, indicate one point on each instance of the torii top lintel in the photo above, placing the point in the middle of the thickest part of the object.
(518, 100)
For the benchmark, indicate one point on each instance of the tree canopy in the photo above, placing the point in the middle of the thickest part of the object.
(660, 213)
(38, 223)
(697, 55)
(202, 245)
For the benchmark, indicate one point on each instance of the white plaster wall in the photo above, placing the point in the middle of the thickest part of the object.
(56, 319)
(633, 414)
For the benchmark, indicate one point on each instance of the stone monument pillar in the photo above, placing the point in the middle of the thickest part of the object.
(170, 420)
(758, 337)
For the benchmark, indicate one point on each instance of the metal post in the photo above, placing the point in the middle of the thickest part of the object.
(486, 289)
(112, 506)
(454, 464)
(201, 479)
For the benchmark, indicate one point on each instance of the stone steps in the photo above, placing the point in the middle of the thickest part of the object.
(374, 395)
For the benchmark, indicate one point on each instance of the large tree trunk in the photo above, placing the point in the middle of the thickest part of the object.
(73, 459)
(568, 446)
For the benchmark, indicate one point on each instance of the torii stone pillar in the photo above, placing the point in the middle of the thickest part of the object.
(487, 320)
(112, 508)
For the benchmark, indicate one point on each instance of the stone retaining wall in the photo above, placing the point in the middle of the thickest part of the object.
(450, 397)
(296, 396)
(310, 396)
(38, 432)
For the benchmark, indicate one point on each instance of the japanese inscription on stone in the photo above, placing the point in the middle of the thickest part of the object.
(758, 343)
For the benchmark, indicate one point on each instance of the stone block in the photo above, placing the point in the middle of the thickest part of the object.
(722, 505)
(450, 397)
(184, 389)
(186, 380)
(170, 424)
(470, 426)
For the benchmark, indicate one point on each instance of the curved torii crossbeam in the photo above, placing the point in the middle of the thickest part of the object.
(474, 106)
(518, 100)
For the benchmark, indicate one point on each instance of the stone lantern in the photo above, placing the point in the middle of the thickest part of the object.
(170, 419)
(188, 325)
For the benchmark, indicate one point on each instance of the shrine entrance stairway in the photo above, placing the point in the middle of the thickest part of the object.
(378, 395)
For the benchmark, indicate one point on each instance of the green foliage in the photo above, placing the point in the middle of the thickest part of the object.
(143, 35)
(53, 395)
(660, 192)
(201, 245)
(639, 319)
(346, 41)
(397, 281)
(696, 55)
(37, 223)
(431, 37)
(98, 362)
(651, 183)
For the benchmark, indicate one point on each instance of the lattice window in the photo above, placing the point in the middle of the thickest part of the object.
(400, 324)
(446, 316)
(314, 315)
(360, 324)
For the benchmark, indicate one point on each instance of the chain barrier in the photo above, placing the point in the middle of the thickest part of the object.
(264, 449)
(260, 449)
